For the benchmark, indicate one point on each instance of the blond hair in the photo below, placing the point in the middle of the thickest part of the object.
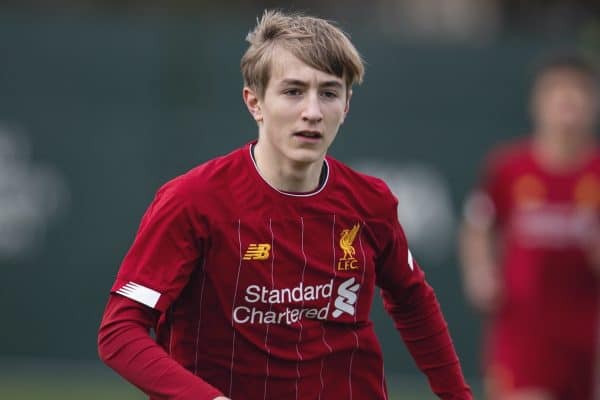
(315, 41)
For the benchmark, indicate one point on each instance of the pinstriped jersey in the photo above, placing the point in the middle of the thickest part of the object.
(266, 294)
(547, 221)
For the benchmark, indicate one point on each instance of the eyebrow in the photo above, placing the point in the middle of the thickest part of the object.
(297, 82)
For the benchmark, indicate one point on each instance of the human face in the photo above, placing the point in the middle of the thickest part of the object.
(563, 101)
(300, 112)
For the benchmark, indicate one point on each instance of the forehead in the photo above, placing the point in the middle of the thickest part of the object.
(286, 66)
(564, 76)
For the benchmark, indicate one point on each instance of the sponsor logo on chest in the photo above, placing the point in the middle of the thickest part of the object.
(257, 297)
(329, 299)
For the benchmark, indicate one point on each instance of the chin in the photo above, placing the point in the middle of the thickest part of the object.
(570, 126)
(305, 156)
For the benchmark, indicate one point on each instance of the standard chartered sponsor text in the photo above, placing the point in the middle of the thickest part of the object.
(255, 294)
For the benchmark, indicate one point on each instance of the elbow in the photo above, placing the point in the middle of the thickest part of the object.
(102, 346)
(110, 340)
(123, 322)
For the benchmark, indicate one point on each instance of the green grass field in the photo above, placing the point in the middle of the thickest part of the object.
(92, 381)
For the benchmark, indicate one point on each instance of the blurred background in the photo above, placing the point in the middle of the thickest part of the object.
(102, 101)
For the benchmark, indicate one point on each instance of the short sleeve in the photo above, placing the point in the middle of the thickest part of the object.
(485, 205)
(165, 252)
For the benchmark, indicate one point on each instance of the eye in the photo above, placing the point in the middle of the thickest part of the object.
(331, 94)
(292, 92)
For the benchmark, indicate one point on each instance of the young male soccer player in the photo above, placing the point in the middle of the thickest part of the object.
(531, 245)
(257, 269)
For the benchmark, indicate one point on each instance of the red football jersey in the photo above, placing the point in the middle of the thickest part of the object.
(267, 294)
(545, 221)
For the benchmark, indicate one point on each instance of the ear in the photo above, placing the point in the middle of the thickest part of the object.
(252, 103)
(347, 105)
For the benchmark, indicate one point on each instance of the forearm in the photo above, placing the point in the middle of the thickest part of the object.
(425, 333)
(476, 248)
(481, 275)
(125, 345)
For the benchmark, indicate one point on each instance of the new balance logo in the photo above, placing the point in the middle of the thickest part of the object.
(257, 251)
(346, 299)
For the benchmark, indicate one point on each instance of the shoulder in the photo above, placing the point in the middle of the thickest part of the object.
(509, 154)
(207, 178)
(368, 191)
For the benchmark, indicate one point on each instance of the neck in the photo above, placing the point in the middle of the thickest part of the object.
(284, 174)
(561, 150)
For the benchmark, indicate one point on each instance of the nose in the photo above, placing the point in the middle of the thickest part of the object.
(312, 109)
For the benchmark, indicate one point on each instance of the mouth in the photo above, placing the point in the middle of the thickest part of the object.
(309, 135)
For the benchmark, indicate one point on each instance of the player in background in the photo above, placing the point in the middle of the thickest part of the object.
(531, 245)
(257, 269)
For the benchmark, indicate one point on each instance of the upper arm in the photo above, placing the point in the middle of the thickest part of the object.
(164, 253)
(399, 275)
(485, 209)
(487, 203)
